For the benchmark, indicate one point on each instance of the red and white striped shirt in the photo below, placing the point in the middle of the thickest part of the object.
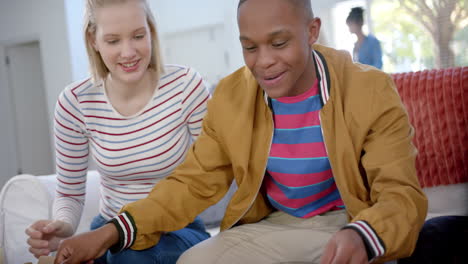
(132, 153)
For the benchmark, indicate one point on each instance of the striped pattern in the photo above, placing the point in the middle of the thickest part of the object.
(126, 229)
(322, 76)
(292, 180)
(300, 180)
(374, 244)
(132, 153)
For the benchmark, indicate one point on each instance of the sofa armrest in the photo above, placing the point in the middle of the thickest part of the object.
(23, 200)
(27, 198)
(447, 200)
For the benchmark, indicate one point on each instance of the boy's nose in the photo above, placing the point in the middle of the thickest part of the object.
(264, 58)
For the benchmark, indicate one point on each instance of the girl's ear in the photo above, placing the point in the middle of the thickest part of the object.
(92, 41)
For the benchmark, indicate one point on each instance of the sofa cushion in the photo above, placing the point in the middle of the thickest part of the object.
(437, 104)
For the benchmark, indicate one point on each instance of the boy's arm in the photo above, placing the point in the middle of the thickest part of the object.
(199, 182)
(390, 227)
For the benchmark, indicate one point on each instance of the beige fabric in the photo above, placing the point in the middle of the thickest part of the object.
(279, 238)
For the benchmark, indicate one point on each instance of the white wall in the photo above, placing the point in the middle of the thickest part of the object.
(24, 21)
(74, 15)
(28, 20)
(181, 16)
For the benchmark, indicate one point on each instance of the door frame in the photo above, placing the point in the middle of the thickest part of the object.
(12, 162)
(11, 127)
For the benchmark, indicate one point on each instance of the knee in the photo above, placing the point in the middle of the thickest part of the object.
(195, 255)
(129, 256)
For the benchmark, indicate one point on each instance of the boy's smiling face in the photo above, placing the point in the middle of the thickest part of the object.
(276, 39)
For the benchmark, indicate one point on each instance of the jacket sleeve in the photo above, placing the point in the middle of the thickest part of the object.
(199, 182)
(390, 227)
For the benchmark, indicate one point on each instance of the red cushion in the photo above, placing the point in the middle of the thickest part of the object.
(437, 104)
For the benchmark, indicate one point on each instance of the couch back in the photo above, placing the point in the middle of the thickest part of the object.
(437, 104)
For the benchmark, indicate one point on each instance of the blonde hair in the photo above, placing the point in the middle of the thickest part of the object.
(98, 69)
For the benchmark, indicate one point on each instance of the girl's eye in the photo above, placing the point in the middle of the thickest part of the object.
(112, 41)
(140, 36)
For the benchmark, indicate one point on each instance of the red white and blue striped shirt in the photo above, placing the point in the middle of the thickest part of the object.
(300, 180)
(132, 153)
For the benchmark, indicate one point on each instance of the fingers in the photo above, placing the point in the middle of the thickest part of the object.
(53, 227)
(329, 253)
(340, 256)
(62, 255)
(358, 259)
(33, 233)
(66, 255)
(38, 243)
(35, 230)
(38, 247)
(344, 247)
(38, 252)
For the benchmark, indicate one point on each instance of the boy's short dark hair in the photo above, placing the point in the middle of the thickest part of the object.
(303, 6)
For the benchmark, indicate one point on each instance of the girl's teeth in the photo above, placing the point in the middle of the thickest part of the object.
(129, 64)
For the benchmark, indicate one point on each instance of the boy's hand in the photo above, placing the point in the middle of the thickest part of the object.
(346, 246)
(87, 246)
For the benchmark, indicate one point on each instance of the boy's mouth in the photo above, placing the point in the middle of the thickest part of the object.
(272, 79)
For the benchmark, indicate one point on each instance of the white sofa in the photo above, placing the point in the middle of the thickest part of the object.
(26, 198)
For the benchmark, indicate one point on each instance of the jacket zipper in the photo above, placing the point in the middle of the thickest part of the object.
(260, 185)
(326, 151)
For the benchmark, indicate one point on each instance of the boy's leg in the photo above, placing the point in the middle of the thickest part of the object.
(279, 238)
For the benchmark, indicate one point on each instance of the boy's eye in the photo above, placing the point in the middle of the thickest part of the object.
(278, 44)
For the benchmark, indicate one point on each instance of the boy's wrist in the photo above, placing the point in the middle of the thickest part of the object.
(110, 235)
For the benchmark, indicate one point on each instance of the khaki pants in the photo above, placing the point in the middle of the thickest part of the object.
(279, 238)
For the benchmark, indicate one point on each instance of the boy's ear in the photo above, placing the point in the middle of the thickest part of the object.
(314, 29)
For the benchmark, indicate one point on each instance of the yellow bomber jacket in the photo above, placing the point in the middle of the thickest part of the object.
(368, 140)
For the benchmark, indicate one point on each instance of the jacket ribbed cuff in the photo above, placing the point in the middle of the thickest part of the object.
(374, 245)
(127, 231)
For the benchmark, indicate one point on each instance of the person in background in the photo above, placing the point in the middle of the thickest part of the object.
(136, 117)
(319, 146)
(367, 49)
